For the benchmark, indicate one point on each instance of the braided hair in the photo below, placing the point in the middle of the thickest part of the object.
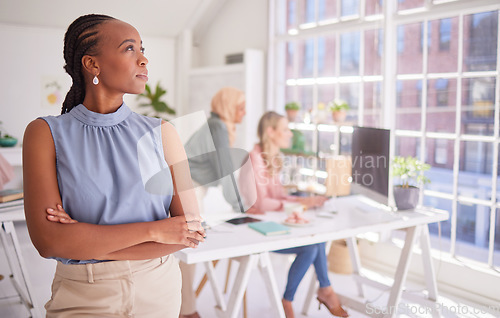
(80, 39)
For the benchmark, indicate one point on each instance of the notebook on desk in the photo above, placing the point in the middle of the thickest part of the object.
(269, 228)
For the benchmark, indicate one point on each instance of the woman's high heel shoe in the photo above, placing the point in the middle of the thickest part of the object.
(337, 311)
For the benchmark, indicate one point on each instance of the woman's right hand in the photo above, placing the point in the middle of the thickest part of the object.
(314, 201)
(176, 230)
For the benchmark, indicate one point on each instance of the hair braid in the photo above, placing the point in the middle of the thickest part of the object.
(81, 38)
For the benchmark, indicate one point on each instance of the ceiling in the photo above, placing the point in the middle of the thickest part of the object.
(150, 17)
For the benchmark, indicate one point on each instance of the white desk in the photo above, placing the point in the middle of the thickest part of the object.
(10, 212)
(356, 215)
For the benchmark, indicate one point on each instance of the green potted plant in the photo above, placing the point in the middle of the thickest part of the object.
(410, 173)
(6, 140)
(156, 107)
(292, 108)
(339, 108)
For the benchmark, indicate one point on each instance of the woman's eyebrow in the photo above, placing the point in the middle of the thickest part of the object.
(128, 40)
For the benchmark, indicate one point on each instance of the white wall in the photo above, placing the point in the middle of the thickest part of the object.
(240, 25)
(32, 54)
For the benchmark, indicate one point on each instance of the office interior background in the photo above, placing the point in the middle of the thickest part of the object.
(428, 70)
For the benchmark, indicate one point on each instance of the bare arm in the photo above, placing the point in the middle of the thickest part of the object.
(80, 240)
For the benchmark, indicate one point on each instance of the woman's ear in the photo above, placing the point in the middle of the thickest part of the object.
(90, 65)
(270, 132)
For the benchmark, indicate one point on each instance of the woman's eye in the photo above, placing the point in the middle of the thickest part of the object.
(143, 50)
(130, 48)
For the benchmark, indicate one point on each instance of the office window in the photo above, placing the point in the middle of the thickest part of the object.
(350, 7)
(374, 7)
(445, 60)
(410, 58)
(349, 53)
(326, 56)
(310, 11)
(422, 35)
(291, 14)
(459, 75)
(327, 10)
(444, 34)
(410, 4)
(441, 86)
(480, 41)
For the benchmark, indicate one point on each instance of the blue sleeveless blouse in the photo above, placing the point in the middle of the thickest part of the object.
(111, 168)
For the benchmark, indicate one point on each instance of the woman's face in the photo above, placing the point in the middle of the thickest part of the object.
(240, 110)
(281, 135)
(121, 61)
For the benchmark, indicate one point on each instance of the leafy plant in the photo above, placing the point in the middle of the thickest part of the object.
(158, 107)
(338, 105)
(410, 171)
(4, 135)
(292, 106)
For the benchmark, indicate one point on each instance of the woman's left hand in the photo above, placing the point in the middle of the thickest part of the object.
(59, 215)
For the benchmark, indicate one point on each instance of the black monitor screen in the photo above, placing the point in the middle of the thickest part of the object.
(370, 161)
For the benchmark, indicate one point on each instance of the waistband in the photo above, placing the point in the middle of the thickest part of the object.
(107, 270)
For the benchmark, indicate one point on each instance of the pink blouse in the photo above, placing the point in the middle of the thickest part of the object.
(261, 190)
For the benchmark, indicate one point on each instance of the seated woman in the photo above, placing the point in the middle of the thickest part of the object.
(269, 195)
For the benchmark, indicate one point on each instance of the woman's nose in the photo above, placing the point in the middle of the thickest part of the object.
(143, 60)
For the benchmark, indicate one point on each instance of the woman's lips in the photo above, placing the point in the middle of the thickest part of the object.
(143, 76)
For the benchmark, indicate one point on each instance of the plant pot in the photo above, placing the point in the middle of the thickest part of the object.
(291, 114)
(339, 116)
(8, 142)
(406, 198)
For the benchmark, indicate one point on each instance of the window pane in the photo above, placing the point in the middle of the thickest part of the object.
(326, 143)
(473, 223)
(307, 14)
(327, 10)
(373, 51)
(326, 56)
(407, 146)
(350, 7)
(408, 101)
(326, 93)
(410, 4)
(305, 94)
(373, 105)
(350, 93)
(478, 104)
(474, 177)
(442, 56)
(439, 155)
(349, 53)
(496, 253)
(290, 94)
(440, 243)
(480, 41)
(345, 144)
(409, 49)
(441, 105)
(291, 18)
(290, 57)
(374, 7)
(305, 50)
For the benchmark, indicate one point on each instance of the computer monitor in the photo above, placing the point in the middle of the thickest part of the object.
(370, 163)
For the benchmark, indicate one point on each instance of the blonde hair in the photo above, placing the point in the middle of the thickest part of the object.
(273, 162)
(224, 104)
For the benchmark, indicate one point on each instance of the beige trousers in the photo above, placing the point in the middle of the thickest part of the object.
(188, 271)
(141, 289)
